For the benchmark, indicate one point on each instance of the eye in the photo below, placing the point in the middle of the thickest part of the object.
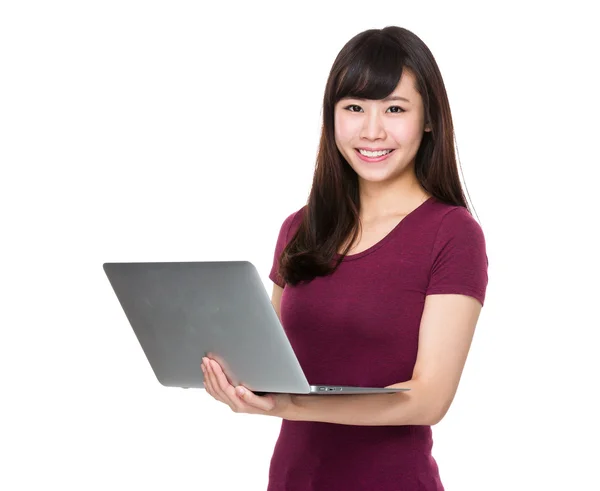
(395, 109)
(353, 108)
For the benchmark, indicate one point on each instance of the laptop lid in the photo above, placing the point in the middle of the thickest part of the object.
(182, 311)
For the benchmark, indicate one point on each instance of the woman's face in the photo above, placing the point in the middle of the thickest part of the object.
(380, 138)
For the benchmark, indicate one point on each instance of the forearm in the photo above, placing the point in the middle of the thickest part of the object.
(413, 407)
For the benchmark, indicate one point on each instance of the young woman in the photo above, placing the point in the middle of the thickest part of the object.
(379, 280)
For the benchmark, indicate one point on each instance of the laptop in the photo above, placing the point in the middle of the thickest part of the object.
(182, 311)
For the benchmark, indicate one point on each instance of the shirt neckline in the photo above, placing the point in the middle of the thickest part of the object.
(386, 238)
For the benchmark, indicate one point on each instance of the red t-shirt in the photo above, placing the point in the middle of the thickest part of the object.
(360, 326)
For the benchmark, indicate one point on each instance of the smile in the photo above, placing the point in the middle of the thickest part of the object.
(378, 153)
(373, 155)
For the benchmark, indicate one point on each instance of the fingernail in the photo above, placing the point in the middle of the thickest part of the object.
(241, 391)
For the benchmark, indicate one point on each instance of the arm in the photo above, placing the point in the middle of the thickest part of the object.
(446, 331)
(276, 299)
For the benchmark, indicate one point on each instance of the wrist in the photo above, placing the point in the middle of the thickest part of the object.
(292, 408)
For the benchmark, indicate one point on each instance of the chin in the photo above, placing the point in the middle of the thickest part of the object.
(374, 176)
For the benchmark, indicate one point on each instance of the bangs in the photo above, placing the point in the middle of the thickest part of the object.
(373, 72)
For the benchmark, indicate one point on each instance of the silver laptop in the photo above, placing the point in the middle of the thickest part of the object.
(182, 311)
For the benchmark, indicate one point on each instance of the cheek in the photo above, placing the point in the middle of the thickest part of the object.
(406, 134)
(345, 129)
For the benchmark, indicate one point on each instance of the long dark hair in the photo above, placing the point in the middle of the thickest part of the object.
(369, 66)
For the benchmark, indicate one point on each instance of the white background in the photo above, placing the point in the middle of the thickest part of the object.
(188, 131)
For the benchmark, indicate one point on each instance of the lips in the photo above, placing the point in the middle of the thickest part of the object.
(373, 155)
(373, 152)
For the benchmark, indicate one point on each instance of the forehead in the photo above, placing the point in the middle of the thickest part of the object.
(405, 91)
(407, 86)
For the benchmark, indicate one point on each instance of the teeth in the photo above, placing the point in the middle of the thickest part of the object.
(379, 153)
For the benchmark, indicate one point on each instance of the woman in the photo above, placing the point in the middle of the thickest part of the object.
(379, 279)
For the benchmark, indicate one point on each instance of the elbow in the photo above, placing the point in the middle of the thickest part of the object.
(435, 418)
(431, 411)
(421, 415)
(438, 412)
(428, 417)
(428, 405)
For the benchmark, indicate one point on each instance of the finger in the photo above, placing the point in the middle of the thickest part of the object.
(219, 391)
(209, 383)
(266, 403)
(240, 393)
(222, 385)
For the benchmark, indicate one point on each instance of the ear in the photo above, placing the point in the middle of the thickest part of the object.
(427, 127)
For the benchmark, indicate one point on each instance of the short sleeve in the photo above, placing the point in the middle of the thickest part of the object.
(290, 224)
(459, 258)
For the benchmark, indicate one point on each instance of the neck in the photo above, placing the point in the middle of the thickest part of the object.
(383, 199)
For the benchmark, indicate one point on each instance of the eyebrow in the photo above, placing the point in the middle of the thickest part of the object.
(387, 99)
(396, 98)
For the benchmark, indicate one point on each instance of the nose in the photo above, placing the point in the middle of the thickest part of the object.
(372, 128)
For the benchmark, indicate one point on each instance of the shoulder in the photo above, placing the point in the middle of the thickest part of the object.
(454, 221)
(291, 224)
(458, 258)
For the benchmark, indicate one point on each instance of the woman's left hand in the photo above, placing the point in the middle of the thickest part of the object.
(240, 399)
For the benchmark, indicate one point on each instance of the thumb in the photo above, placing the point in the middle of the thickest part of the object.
(266, 403)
